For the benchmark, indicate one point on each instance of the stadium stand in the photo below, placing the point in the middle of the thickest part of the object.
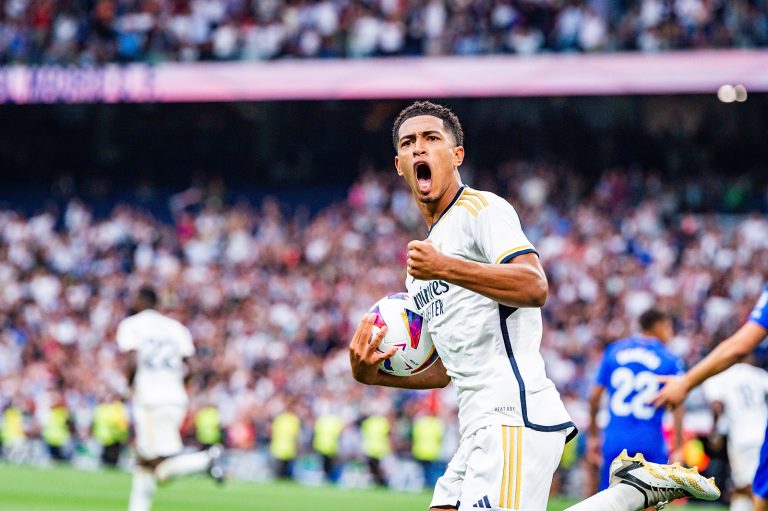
(95, 32)
(272, 297)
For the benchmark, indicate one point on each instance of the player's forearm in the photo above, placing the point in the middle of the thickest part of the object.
(730, 351)
(433, 378)
(513, 285)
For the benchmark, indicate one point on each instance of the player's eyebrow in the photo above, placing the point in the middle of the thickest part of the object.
(422, 133)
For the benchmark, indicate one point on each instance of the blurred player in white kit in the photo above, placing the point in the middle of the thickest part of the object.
(738, 394)
(157, 346)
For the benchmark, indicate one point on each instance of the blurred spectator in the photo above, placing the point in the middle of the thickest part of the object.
(272, 297)
(57, 431)
(375, 431)
(208, 426)
(111, 429)
(325, 441)
(428, 432)
(47, 31)
(284, 447)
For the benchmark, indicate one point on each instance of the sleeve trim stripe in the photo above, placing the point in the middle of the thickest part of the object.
(479, 196)
(473, 199)
(511, 254)
(468, 206)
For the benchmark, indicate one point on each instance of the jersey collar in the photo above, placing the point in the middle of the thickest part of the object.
(458, 194)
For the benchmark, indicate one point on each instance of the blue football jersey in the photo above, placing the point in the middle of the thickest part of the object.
(760, 313)
(760, 485)
(629, 373)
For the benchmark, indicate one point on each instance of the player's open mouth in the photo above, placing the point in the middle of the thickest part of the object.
(423, 176)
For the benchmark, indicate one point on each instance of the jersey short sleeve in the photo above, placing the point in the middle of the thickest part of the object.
(500, 236)
(186, 347)
(127, 335)
(760, 313)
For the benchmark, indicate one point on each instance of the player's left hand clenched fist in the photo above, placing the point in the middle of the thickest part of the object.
(424, 260)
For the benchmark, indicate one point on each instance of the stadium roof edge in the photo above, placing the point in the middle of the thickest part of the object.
(691, 72)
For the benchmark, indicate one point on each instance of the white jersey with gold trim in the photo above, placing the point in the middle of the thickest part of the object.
(161, 343)
(490, 351)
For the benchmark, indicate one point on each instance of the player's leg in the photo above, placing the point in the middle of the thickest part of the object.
(142, 489)
(744, 460)
(143, 482)
(637, 484)
(447, 494)
(191, 463)
(167, 423)
(609, 451)
(741, 499)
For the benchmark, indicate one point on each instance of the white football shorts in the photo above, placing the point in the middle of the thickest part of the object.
(744, 460)
(501, 467)
(157, 430)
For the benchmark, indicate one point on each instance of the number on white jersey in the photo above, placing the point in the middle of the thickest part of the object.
(748, 396)
(160, 354)
(645, 384)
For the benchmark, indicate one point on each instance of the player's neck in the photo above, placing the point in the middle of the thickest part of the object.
(433, 210)
(650, 337)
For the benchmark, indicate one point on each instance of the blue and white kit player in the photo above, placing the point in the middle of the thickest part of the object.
(732, 350)
(629, 374)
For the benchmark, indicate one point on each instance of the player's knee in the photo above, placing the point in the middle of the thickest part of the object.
(149, 463)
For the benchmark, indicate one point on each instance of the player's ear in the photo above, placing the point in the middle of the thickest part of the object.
(458, 155)
(397, 166)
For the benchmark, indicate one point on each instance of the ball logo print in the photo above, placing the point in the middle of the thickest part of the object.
(407, 332)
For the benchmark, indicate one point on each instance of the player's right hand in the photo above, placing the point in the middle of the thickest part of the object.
(363, 355)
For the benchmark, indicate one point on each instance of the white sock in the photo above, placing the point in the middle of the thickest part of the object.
(142, 490)
(741, 503)
(621, 497)
(183, 464)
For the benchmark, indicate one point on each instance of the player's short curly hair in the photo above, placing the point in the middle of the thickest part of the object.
(428, 108)
(651, 317)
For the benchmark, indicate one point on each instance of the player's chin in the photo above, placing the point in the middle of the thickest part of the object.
(426, 198)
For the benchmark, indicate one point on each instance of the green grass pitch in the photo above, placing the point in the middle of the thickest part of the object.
(65, 489)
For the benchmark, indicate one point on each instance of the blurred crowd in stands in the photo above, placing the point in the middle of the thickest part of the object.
(272, 299)
(98, 31)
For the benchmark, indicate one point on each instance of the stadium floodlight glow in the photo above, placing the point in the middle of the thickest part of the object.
(726, 93)
(741, 93)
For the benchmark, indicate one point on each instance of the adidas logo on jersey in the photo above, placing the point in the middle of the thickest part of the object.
(484, 503)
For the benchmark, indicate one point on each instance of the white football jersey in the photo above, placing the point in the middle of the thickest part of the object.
(490, 351)
(160, 343)
(742, 388)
